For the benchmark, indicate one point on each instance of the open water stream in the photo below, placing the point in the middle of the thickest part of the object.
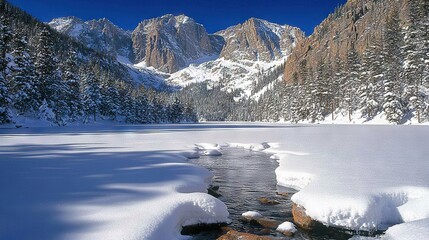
(243, 177)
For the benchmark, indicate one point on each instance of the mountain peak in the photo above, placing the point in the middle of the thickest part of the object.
(259, 40)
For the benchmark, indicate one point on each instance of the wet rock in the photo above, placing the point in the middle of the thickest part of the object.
(301, 218)
(265, 231)
(267, 201)
(268, 223)
(283, 194)
(235, 235)
(212, 190)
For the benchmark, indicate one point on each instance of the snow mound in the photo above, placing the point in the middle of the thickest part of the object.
(252, 215)
(286, 227)
(212, 152)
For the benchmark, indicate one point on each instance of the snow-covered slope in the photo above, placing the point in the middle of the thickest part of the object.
(231, 75)
(101, 35)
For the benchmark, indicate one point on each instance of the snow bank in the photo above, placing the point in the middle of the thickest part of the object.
(359, 178)
(409, 231)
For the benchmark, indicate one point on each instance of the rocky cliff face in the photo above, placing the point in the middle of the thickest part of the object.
(100, 35)
(259, 40)
(355, 25)
(170, 42)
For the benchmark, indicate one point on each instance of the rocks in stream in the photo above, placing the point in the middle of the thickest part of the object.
(267, 201)
(235, 235)
(212, 190)
(256, 218)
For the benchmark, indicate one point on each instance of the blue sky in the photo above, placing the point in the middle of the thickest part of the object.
(214, 15)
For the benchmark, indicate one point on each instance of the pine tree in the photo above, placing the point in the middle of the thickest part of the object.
(370, 85)
(90, 93)
(23, 85)
(392, 105)
(46, 65)
(72, 80)
(352, 82)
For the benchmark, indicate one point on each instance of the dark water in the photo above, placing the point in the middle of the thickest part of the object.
(243, 177)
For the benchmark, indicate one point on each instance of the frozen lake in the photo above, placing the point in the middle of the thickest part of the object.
(135, 182)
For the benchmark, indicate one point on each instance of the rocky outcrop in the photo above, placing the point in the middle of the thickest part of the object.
(100, 35)
(357, 25)
(259, 40)
(170, 42)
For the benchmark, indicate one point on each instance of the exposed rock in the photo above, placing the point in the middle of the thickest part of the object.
(212, 190)
(284, 194)
(267, 201)
(235, 235)
(302, 219)
(356, 25)
(259, 40)
(268, 223)
(170, 42)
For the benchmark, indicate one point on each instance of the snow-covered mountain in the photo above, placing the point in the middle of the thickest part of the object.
(100, 35)
(252, 49)
(259, 40)
(180, 50)
(170, 43)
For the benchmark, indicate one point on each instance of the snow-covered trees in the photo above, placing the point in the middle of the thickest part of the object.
(23, 87)
(4, 92)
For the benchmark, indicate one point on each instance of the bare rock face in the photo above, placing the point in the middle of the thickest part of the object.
(357, 25)
(100, 35)
(170, 42)
(259, 40)
(301, 218)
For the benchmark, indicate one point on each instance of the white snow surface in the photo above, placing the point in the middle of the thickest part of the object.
(134, 182)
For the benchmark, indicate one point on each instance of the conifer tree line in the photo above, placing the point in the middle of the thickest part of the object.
(46, 75)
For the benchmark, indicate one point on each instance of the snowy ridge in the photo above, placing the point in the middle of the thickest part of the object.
(232, 75)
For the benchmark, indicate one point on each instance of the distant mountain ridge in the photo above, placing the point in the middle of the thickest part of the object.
(170, 43)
